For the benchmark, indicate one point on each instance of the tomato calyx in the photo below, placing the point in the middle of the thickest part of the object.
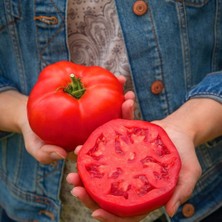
(75, 88)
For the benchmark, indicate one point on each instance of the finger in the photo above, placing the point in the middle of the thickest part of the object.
(130, 95)
(83, 196)
(77, 149)
(128, 109)
(102, 215)
(74, 179)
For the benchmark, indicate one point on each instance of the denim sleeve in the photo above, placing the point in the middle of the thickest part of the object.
(209, 87)
(6, 84)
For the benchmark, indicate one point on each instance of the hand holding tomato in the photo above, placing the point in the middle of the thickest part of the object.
(189, 174)
(15, 120)
(47, 153)
(128, 167)
(69, 101)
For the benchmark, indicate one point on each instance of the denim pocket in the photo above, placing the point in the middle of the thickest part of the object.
(10, 11)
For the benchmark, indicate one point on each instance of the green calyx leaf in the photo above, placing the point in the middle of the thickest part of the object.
(75, 87)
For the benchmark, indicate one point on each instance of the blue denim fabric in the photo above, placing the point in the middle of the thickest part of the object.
(32, 35)
(209, 87)
(4, 217)
(178, 42)
(175, 43)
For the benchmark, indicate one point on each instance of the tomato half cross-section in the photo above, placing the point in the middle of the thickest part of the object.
(129, 167)
(69, 101)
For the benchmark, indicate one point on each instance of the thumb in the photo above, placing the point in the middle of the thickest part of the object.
(183, 191)
(47, 153)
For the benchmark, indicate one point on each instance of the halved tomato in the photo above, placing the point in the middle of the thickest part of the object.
(129, 167)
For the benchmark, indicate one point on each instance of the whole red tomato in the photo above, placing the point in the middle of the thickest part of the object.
(129, 167)
(69, 101)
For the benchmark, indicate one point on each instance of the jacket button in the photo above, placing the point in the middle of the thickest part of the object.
(140, 7)
(157, 87)
(188, 210)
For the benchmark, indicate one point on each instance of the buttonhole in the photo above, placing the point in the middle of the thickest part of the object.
(49, 20)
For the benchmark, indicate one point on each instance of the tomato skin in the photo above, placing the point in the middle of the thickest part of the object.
(60, 119)
(129, 167)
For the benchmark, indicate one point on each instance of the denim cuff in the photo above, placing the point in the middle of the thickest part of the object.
(209, 87)
(4, 134)
(6, 84)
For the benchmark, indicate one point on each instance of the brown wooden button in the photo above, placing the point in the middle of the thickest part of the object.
(188, 210)
(157, 87)
(140, 7)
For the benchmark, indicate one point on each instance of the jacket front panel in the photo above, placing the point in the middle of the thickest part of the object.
(177, 42)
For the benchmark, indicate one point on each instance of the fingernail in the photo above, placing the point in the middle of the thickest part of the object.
(175, 208)
(74, 193)
(56, 156)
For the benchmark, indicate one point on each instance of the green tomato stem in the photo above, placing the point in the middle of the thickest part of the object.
(75, 87)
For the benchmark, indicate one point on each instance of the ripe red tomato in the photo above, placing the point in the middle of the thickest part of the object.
(129, 167)
(64, 110)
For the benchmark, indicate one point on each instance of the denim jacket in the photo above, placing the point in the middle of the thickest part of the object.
(175, 53)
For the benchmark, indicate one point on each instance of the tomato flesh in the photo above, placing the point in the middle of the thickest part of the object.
(129, 167)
